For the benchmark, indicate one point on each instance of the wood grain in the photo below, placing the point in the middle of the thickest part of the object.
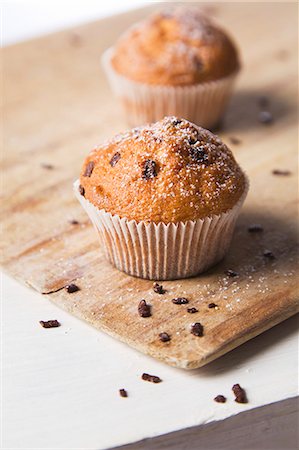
(57, 105)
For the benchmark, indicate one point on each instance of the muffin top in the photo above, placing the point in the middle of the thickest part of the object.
(176, 47)
(169, 171)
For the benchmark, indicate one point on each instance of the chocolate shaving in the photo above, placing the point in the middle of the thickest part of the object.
(268, 254)
(164, 337)
(151, 378)
(115, 158)
(81, 190)
(212, 305)
(197, 329)
(180, 301)
(255, 228)
(283, 173)
(88, 169)
(231, 273)
(220, 399)
(123, 393)
(240, 394)
(192, 310)
(149, 169)
(265, 117)
(144, 310)
(71, 288)
(49, 323)
(158, 288)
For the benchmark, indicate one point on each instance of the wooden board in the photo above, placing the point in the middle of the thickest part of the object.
(57, 105)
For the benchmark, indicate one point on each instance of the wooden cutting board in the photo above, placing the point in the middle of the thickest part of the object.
(57, 106)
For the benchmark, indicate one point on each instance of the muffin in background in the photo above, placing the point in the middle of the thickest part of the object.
(175, 62)
(164, 198)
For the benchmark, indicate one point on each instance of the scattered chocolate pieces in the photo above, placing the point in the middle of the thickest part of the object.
(231, 273)
(74, 222)
(268, 254)
(149, 169)
(240, 394)
(151, 378)
(212, 305)
(81, 190)
(49, 323)
(144, 310)
(123, 393)
(283, 173)
(265, 117)
(197, 329)
(220, 399)
(115, 158)
(47, 166)
(180, 301)
(158, 288)
(164, 337)
(176, 121)
(192, 310)
(70, 288)
(198, 154)
(255, 228)
(234, 140)
(88, 169)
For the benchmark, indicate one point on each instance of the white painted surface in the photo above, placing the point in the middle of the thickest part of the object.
(60, 386)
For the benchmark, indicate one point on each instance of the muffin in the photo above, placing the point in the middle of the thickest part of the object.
(176, 62)
(164, 198)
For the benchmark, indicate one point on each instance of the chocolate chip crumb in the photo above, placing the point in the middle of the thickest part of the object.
(180, 301)
(149, 169)
(197, 329)
(265, 117)
(158, 288)
(220, 399)
(192, 310)
(74, 222)
(123, 393)
(47, 166)
(70, 288)
(255, 228)
(283, 173)
(164, 337)
(144, 310)
(151, 378)
(212, 305)
(231, 273)
(81, 190)
(268, 254)
(115, 158)
(88, 169)
(234, 140)
(49, 323)
(240, 394)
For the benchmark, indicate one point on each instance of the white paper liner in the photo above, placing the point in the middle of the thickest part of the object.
(203, 104)
(163, 251)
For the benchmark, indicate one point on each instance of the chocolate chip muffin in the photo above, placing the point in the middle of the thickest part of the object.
(179, 53)
(164, 198)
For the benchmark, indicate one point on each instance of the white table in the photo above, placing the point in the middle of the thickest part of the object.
(60, 388)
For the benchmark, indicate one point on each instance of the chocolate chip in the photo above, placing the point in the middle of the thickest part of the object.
(198, 154)
(47, 166)
(197, 329)
(255, 228)
(149, 169)
(265, 117)
(151, 378)
(123, 393)
(158, 288)
(176, 121)
(231, 273)
(88, 169)
(212, 305)
(234, 140)
(240, 394)
(164, 337)
(220, 399)
(74, 222)
(81, 190)
(283, 173)
(70, 288)
(49, 323)
(115, 158)
(192, 310)
(144, 310)
(268, 254)
(180, 301)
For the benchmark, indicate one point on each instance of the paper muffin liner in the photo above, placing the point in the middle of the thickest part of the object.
(203, 104)
(163, 251)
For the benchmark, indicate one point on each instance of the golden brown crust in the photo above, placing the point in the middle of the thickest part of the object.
(169, 171)
(176, 47)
